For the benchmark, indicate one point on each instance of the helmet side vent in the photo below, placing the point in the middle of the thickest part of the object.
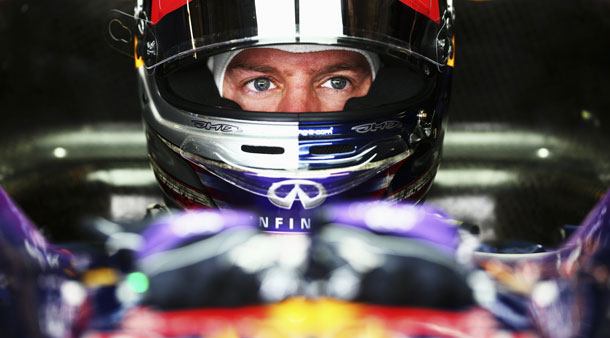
(332, 149)
(262, 149)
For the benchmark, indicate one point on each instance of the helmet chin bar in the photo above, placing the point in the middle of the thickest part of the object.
(228, 159)
(266, 182)
(299, 173)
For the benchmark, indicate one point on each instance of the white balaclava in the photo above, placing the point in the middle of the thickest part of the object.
(218, 63)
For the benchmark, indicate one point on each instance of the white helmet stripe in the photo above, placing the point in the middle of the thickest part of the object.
(275, 18)
(321, 18)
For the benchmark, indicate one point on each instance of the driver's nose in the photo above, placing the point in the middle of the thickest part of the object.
(299, 99)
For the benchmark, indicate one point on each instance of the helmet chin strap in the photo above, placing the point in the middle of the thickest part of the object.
(218, 64)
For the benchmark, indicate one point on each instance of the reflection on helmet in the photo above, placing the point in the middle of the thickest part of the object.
(210, 150)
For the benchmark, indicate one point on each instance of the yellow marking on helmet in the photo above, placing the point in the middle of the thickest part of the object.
(138, 59)
(451, 59)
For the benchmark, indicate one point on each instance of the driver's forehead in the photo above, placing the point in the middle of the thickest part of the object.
(267, 58)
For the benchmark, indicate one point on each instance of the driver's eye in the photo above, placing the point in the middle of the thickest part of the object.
(336, 83)
(260, 84)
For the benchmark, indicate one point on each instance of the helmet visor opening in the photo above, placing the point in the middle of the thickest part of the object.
(190, 85)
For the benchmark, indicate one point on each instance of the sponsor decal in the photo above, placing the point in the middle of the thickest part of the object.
(151, 48)
(296, 224)
(225, 128)
(374, 127)
(410, 190)
(316, 132)
(283, 194)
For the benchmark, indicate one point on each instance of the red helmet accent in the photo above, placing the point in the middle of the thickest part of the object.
(429, 8)
(426, 7)
(160, 8)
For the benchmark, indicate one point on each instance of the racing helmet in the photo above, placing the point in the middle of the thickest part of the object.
(208, 152)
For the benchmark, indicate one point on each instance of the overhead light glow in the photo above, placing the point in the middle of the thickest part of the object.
(543, 153)
(495, 138)
(92, 136)
(123, 177)
(60, 152)
(474, 177)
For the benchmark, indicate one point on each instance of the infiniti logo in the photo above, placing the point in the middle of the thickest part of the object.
(284, 193)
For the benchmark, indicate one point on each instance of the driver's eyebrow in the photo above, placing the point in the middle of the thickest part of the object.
(342, 66)
(345, 66)
(246, 66)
